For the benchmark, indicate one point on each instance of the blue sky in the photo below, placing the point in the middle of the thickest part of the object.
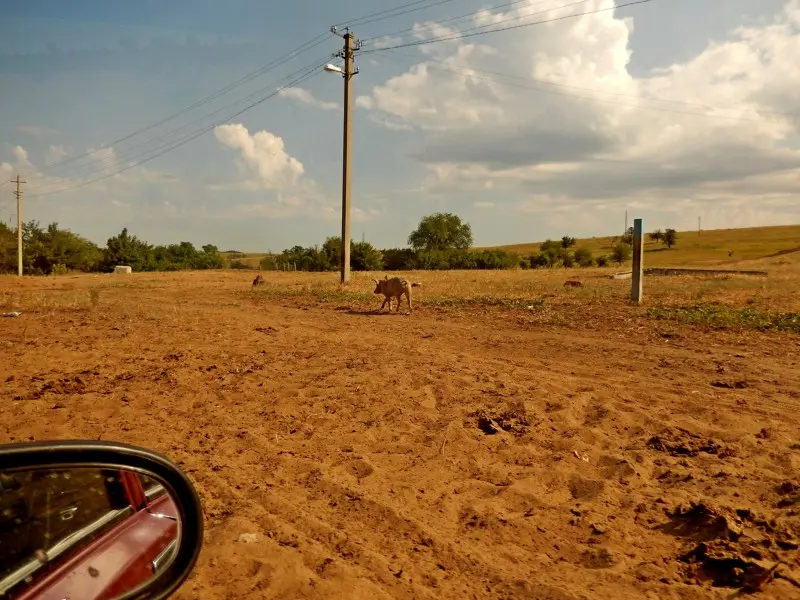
(587, 118)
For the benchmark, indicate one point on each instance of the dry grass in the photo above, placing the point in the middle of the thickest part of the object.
(710, 248)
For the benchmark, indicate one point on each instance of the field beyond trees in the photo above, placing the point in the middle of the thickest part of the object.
(712, 248)
(512, 438)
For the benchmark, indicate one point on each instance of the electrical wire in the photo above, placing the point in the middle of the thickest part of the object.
(128, 154)
(221, 92)
(463, 17)
(307, 74)
(472, 32)
(383, 14)
(466, 70)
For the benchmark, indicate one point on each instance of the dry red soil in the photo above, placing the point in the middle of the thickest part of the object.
(446, 455)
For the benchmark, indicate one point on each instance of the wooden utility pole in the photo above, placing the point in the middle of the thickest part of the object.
(18, 194)
(348, 54)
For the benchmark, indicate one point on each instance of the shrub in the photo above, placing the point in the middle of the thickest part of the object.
(583, 256)
(620, 253)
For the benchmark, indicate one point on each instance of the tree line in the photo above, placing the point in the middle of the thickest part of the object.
(441, 241)
(53, 251)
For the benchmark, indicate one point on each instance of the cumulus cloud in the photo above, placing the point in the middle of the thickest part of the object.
(305, 97)
(97, 173)
(264, 164)
(263, 155)
(568, 125)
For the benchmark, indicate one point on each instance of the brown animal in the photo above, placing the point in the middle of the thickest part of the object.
(394, 288)
(259, 280)
(573, 283)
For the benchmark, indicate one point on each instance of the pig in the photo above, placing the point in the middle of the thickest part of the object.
(394, 288)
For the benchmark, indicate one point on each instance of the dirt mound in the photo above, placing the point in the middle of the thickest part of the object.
(680, 442)
(513, 419)
(734, 548)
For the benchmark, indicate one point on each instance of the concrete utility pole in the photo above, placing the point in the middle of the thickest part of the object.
(18, 194)
(348, 54)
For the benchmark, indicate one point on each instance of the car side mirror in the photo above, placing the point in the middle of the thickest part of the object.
(94, 520)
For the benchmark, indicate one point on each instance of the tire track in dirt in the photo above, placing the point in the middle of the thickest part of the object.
(480, 458)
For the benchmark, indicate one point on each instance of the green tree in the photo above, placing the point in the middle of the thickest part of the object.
(656, 235)
(549, 244)
(126, 249)
(399, 259)
(46, 251)
(441, 231)
(670, 238)
(583, 256)
(620, 253)
(365, 257)
(568, 242)
(566, 258)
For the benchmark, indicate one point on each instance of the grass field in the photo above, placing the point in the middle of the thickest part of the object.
(512, 438)
(708, 249)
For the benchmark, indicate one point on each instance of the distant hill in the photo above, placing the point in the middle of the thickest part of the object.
(710, 247)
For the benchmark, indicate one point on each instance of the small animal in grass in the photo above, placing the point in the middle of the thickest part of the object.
(259, 280)
(394, 288)
(573, 283)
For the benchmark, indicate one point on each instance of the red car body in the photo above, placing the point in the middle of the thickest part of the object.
(120, 558)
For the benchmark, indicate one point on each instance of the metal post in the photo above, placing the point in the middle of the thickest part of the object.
(637, 270)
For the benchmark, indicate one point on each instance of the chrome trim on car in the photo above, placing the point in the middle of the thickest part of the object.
(33, 565)
(154, 491)
(164, 557)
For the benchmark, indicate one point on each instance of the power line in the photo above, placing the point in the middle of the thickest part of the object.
(472, 32)
(308, 73)
(590, 98)
(384, 14)
(221, 92)
(466, 17)
(129, 154)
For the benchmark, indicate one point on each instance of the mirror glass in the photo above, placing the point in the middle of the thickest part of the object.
(86, 533)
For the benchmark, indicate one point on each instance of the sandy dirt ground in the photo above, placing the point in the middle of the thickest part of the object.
(451, 454)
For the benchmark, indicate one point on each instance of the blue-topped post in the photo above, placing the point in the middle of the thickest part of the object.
(637, 272)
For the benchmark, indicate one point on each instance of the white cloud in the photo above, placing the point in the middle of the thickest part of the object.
(305, 97)
(567, 127)
(264, 164)
(360, 215)
(263, 155)
(55, 154)
(21, 157)
(103, 166)
(483, 204)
